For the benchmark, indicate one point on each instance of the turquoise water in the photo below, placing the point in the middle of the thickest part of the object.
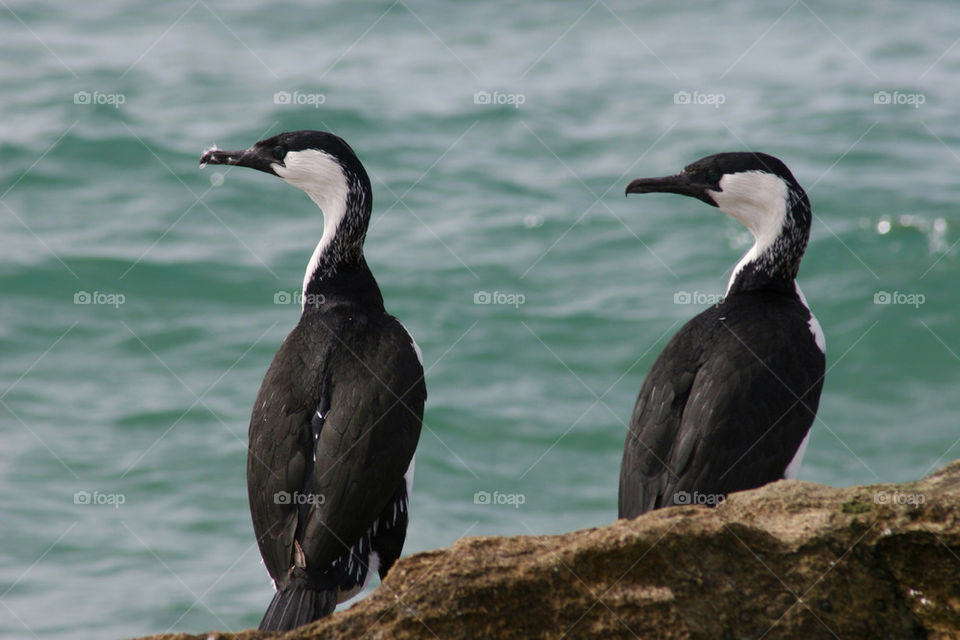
(142, 397)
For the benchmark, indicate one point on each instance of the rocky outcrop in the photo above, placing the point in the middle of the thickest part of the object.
(789, 560)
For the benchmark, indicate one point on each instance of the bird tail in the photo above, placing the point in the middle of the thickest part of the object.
(296, 606)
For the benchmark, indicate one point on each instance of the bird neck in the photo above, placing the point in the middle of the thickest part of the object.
(774, 260)
(337, 267)
(351, 283)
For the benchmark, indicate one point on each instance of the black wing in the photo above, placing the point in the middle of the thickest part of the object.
(344, 451)
(368, 438)
(724, 407)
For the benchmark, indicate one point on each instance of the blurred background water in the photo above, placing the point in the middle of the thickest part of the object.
(499, 138)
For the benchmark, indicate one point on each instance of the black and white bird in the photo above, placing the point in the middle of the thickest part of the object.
(729, 403)
(338, 416)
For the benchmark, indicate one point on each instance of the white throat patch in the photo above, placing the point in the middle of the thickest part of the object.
(759, 201)
(322, 178)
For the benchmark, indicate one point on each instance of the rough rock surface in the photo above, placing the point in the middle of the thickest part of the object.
(789, 560)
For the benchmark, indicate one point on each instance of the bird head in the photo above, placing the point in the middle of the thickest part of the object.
(758, 190)
(320, 163)
(325, 167)
(755, 188)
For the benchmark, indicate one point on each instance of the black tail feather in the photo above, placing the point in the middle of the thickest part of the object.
(296, 606)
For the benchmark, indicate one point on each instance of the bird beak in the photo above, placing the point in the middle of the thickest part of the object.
(680, 183)
(252, 158)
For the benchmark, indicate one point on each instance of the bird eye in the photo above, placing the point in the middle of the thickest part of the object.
(279, 151)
